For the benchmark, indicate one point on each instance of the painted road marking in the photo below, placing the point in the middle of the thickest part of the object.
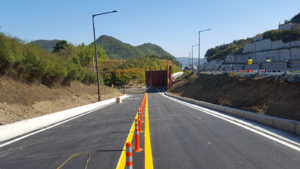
(122, 159)
(236, 122)
(148, 150)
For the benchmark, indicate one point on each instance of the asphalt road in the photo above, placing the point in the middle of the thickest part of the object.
(183, 137)
(102, 134)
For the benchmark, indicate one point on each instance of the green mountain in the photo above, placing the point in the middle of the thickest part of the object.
(116, 49)
(47, 45)
(152, 49)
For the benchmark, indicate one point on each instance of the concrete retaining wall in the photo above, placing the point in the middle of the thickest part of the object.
(28, 125)
(291, 126)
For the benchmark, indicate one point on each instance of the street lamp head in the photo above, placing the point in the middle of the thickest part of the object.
(114, 11)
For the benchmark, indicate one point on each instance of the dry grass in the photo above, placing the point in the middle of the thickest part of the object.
(20, 101)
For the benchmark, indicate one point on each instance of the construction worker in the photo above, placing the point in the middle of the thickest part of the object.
(249, 61)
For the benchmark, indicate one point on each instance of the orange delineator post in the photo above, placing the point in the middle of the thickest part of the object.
(137, 137)
(141, 111)
(140, 122)
(128, 156)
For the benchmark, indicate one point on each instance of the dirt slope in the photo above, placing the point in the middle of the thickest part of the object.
(20, 101)
(265, 96)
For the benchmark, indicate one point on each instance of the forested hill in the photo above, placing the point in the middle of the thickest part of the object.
(152, 49)
(116, 49)
(47, 45)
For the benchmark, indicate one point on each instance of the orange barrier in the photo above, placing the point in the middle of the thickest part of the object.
(140, 122)
(141, 112)
(137, 137)
(128, 156)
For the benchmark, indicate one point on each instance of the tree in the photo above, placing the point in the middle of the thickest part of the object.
(62, 44)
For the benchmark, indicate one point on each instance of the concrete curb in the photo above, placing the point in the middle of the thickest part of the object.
(25, 126)
(291, 126)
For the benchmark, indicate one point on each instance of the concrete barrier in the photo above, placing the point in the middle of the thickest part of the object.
(291, 126)
(298, 128)
(28, 125)
(237, 112)
(229, 110)
(263, 119)
(287, 125)
(249, 115)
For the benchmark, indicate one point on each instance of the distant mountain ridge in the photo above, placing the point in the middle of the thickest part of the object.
(117, 49)
(152, 49)
(47, 45)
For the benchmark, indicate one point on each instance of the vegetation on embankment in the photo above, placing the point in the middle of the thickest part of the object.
(19, 100)
(184, 75)
(29, 63)
(264, 96)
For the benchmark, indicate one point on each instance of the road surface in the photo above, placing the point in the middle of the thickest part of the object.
(182, 136)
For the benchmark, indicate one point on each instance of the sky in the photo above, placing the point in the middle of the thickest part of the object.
(171, 24)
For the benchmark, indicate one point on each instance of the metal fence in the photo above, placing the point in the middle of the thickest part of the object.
(281, 67)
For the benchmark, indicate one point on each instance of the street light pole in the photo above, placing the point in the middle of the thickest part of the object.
(123, 76)
(99, 95)
(193, 57)
(190, 58)
(199, 49)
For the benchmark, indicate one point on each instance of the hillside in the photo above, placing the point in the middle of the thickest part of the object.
(261, 95)
(116, 49)
(152, 49)
(295, 19)
(47, 45)
(19, 100)
(236, 47)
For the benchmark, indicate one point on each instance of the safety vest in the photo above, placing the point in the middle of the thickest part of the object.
(268, 60)
(249, 62)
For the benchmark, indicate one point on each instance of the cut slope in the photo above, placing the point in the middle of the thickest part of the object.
(264, 96)
(19, 101)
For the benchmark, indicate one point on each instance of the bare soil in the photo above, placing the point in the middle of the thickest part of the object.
(19, 101)
(264, 96)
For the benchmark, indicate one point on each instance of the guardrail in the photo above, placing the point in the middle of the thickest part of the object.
(280, 67)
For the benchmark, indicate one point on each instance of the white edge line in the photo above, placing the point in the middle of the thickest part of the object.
(238, 124)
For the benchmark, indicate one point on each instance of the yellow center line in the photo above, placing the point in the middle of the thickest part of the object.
(148, 150)
(122, 159)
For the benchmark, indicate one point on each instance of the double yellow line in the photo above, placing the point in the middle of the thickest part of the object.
(148, 150)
